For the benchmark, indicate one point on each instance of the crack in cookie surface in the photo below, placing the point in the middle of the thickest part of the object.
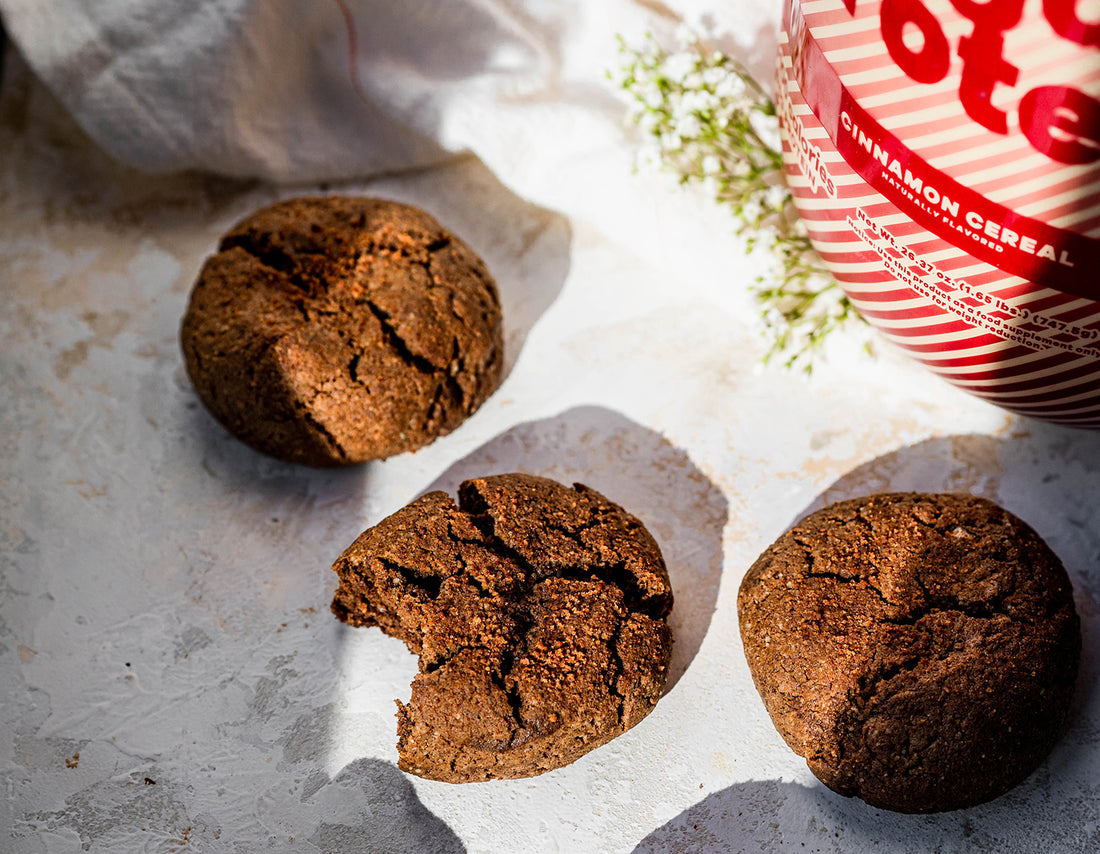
(919, 650)
(360, 316)
(545, 633)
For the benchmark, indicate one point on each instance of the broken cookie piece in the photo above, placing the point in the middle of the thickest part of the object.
(333, 330)
(538, 615)
(918, 650)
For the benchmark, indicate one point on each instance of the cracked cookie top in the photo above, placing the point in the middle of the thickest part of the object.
(918, 650)
(333, 330)
(537, 612)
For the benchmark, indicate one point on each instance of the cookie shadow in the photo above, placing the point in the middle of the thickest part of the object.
(1048, 476)
(211, 451)
(960, 463)
(180, 217)
(748, 816)
(263, 517)
(371, 808)
(648, 476)
(770, 815)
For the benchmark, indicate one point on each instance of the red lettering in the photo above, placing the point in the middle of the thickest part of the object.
(1062, 15)
(999, 15)
(984, 65)
(1062, 123)
(930, 63)
(983, 69)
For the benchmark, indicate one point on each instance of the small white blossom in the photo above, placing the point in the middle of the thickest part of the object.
(698, 101)
(685, 35)
(652, 96)
(766, 238)
(739, 169)
(689, 126)
(678, 66)
(648, 121)
(767, 128)
(775, 197)
(694, 83)
(714, 75)
(730, 87)
(706, 120)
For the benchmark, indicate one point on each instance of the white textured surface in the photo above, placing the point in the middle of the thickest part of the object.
(171, 677)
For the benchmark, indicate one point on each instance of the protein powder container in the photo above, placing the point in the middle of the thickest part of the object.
(945, 157)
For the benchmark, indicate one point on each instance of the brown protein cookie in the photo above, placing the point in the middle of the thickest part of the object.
(334, 330)
(919, 650)
(538, 614)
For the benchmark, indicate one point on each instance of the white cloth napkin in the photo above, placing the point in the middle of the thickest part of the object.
(303, 91)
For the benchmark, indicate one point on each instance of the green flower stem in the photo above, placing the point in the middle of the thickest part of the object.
(701, 111)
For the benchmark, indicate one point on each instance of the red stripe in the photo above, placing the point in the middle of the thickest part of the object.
(1013, 372)
(829, 100)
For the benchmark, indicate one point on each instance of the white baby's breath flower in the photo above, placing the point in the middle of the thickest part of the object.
(730, 87)
(651, 95)
(705, 119)
(714, 76)
(767, 128)
(647, 121)
(689, 126)
(678, 66)
(694, 82)
(766, 237)
(701, 101)
(776, 196)
(685, 35)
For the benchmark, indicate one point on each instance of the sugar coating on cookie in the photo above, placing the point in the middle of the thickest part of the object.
(918, 650)
(538, 612)
(332, 330)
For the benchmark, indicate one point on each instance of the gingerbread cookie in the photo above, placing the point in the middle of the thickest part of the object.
(334, 330)
(918, 650)
(538, 615)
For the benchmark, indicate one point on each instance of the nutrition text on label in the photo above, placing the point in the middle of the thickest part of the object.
(960, 298)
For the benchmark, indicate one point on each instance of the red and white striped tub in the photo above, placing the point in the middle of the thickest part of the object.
(945, 157)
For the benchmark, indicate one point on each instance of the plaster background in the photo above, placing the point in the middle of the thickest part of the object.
(171, 677)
